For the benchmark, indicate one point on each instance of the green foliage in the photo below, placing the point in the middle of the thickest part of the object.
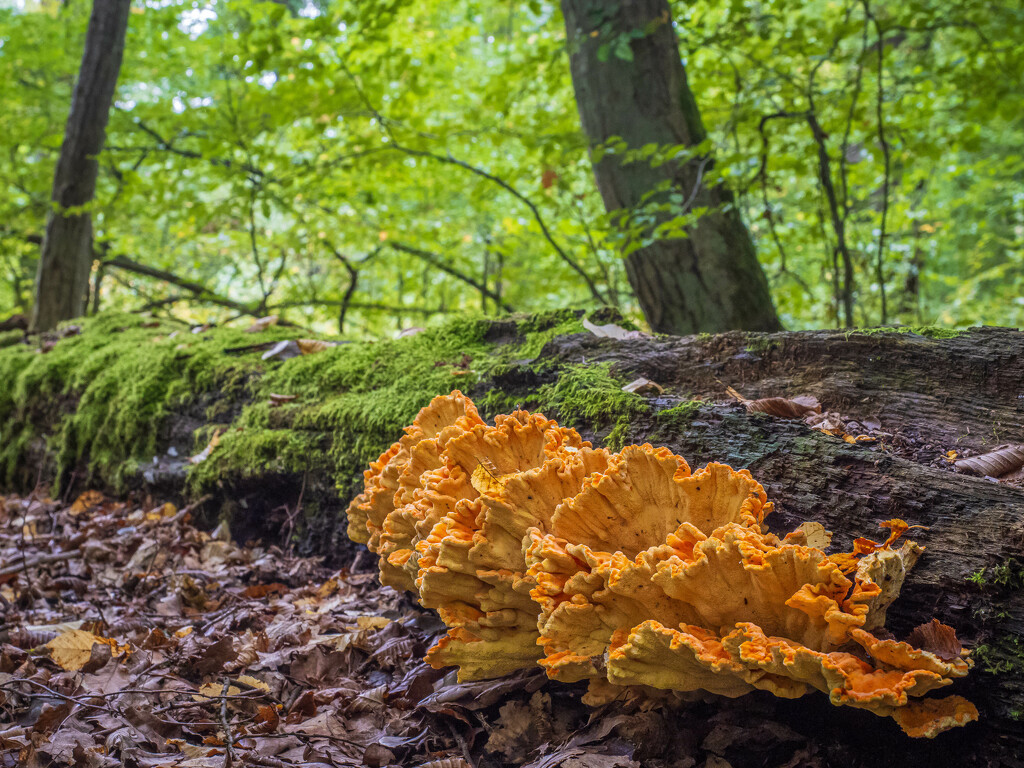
(928, 331)
(292, 157)
(914, 103)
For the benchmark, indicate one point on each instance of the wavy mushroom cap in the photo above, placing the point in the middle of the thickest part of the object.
(359, 509)
(525, 500)
(850, 680)
(690, 658)
(628, 569)
(648, 493)
(370, 509)
(739, 575)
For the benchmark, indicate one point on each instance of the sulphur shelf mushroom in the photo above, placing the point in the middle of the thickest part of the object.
(632, 569)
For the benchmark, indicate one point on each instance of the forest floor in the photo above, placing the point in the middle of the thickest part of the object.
(130, 637)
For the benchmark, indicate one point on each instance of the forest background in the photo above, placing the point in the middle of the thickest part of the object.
(363, 167)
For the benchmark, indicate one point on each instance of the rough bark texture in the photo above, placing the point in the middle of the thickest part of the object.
(931, 396)
(62, 280)
(710, 281)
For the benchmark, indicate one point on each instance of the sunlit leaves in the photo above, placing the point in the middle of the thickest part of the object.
(247, 152)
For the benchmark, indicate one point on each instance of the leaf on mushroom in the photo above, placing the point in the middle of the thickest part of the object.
(938, 638)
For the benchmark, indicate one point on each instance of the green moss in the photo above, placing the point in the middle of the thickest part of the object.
(1003, 656)
(101, 398)
(978, 578)
(10, 338)
(762, 342)
(581, 395)
(675, 420)
(1006, 575)
(361, 396)
(102, 395)
(928, 331)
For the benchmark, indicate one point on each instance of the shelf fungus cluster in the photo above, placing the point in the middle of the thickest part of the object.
(630, 569)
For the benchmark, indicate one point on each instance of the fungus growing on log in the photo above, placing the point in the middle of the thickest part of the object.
(631, 569)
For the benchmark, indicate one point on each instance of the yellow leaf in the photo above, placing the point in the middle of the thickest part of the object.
(486, 480)
(214, 691)
(328, 588)
(72, 649)
(252, 681)
(162, 513)
(85, 502)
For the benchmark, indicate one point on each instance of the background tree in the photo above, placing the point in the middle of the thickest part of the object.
(62, 279)
(631, 88)
(394, 162)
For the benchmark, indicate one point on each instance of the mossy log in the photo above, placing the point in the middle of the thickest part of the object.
(103, 408)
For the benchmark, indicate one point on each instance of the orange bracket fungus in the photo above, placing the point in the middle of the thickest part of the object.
(631, 569)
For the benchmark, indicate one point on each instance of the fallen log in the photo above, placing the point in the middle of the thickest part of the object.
(923, 399)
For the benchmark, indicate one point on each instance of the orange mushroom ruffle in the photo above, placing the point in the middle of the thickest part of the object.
(631, 569)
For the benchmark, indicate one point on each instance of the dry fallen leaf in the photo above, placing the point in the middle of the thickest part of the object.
(997, 463)
(72, 649)
(163, 512)
(611, 331)
(938, 638)
(262, 324)
(311, 346)
(283, 350)
(783, 407)
(204, 454)
(644, 386)
(277, 400)
(86, 501)
(815, 534)
(486, 480)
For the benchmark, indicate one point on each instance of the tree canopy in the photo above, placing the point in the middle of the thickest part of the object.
(394, 160)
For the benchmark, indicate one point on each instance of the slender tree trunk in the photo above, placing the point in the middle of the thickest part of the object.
(711, 280)
(62, 279)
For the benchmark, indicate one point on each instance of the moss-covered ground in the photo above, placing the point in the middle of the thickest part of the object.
(99, 405)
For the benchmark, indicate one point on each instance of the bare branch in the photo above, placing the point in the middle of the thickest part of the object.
(449, 160)
(436, 260)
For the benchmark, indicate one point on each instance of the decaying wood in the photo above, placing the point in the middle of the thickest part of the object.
(928, 398)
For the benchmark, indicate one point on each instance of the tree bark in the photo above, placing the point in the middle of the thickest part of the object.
(709, 281)
(62, 279)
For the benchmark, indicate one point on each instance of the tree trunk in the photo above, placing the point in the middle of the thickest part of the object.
(62, 279)
(709, 281)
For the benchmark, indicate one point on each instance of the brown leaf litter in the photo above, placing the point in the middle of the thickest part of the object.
(132, 637)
